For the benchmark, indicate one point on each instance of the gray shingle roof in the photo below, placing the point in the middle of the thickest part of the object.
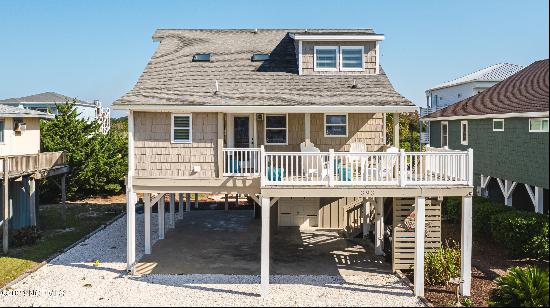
(171, 78)
(46, 97)
(16, 112)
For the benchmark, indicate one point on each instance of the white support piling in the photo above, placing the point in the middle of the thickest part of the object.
(366, 217)
(379, 227)
(466, 247)
(180, 206)
(162, 229)
(539, 200)
(172, 211)
(265, 203)
(147, 212)
(420, 232)
(130, 200)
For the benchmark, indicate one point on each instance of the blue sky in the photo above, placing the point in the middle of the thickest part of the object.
(97, 49)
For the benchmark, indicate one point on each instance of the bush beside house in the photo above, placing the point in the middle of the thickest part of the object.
(98, 162)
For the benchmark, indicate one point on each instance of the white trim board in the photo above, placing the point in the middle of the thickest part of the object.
(332, 37)
(492, 116)
(268, 109)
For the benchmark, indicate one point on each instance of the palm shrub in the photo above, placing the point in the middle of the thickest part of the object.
(523, 234)
(442, 264)
(521, 287)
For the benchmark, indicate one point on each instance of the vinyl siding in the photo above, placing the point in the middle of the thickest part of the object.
(514, 154)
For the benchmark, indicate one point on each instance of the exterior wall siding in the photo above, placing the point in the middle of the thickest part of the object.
(514, 154)
(367, 128)
(26, 142)
(156, 156)
(308, 53)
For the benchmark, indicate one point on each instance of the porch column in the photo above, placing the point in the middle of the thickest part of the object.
(32, 199)
(6, 206)
(379, 227)
(539, 206)
(219, 145)
(187, 202)
(172, 211)
(466, 247)
(396, 129)
(265, 203)
(366, 216)
(196, 200)
(130, 199)
(147, 212)
(307, 128)
(161, 218)
(180, 206)
(419, 234)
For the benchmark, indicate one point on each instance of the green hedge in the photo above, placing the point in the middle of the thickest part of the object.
(524, 234)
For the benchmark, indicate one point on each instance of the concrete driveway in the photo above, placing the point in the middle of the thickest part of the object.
(219, 242)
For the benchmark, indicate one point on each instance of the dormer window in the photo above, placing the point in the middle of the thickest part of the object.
(201, 57)
(260, 57)
(352, 58)
(325, 58)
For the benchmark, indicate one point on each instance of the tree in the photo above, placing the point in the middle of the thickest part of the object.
(98, 162)
(409, 131)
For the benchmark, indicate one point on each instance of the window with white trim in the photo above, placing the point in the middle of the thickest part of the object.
(182, 128)
(336, 125)
(352, 58)
(498, 125)
(464, 132)
(1, 131)
(444, 134)
(276, 129)
(539, 125)
(325, 58)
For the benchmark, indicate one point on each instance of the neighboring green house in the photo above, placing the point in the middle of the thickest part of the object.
(507, 127)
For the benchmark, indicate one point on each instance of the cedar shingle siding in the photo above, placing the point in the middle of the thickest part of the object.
(513, 154)
(157, 156)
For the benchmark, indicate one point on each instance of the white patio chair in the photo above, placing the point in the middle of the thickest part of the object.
(384, 170)
(313, 166)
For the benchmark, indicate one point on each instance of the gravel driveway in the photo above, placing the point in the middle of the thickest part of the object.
(75, 279)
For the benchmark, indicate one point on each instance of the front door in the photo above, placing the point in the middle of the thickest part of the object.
(241, 127)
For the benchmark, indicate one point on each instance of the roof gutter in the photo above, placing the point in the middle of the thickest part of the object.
(541, 114)
(267, 109)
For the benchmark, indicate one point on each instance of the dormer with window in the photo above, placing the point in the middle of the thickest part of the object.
(336, 53)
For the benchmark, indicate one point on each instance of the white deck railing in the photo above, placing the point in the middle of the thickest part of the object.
(437, 167)
(241, 162)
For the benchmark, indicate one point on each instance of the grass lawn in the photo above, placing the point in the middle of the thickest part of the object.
(81, 220)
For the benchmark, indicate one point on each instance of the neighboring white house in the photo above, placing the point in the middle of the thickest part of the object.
(461, 88)
(47, 101)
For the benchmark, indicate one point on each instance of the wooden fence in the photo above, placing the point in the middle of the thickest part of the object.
(404, 234)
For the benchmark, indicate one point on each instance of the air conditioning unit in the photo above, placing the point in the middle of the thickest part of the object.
(20, 127)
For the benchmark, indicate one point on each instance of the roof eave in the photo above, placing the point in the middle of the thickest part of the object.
(533, 114)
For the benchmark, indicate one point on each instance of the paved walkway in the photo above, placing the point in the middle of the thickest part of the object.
(73, 279)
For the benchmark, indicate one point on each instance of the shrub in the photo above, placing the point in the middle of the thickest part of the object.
(451, 209)
(521, 287)
(482, 211)
(25, 236)
(442, 265)
(524, 234)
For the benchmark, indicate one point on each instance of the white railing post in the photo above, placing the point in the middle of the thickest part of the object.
(331, 168)
(471, 167)
(402, 168)
(263, 169)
